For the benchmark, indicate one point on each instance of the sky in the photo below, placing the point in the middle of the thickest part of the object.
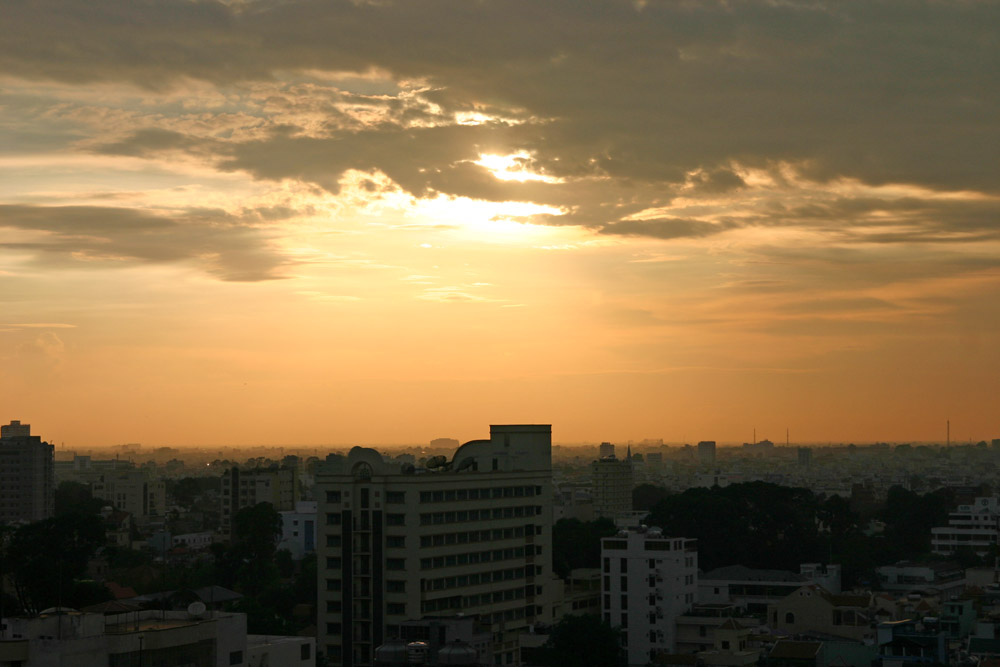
(381, 221)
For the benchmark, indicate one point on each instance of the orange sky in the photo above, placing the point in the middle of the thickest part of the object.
(337, 222)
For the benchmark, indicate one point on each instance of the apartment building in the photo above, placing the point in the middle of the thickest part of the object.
(971, 527)
(648, 581)
(246, 488)
(612, 480)
(27, 487)
(471, 535)
(132, 491)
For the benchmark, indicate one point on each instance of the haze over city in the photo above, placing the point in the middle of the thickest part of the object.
(239, 223)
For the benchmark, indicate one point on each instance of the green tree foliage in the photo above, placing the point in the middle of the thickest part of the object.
(755, 524)
(45, 559)
(582, 640)
(187, 490)
(577, 543)
(909, 518)
(256, 530)
(75, 498)
(645, 496)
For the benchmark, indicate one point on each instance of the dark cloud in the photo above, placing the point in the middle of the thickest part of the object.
(213, 240)
(667, 228)
(893, 91)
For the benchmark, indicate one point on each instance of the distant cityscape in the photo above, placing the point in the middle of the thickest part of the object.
(505, 550)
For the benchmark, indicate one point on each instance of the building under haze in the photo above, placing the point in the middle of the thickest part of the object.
(470, 535)
(27, 488)
(132, 491)
(706, 452)
(612, 480)
(246, 488)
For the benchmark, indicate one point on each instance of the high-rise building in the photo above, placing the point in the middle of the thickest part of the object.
(612, 481)
(470, 536)
(606, 450)
(706, 452)
(246, 488)
(648, 581)
(132, 491)
(27, 488)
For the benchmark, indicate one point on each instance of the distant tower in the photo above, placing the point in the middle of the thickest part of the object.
(706, 452)
(606, 449)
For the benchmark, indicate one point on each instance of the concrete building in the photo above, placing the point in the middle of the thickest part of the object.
(612, 481)
(648, 581)
(971, 527)
(813, 609)
(198, 637)
(246, 488)
(943, 578)
(706, 452)
(472, 535)
(132, 491)
(298, 529)
(27, 487)
(606, 450)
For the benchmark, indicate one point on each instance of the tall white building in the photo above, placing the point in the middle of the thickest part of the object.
(612, 480)
(27, 487)
(471, 536)
(648, 580)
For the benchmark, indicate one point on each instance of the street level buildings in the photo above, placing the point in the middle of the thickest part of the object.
(27, 487)
(471, 535)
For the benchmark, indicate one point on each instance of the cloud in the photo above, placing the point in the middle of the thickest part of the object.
(667, 228)
(217, 242)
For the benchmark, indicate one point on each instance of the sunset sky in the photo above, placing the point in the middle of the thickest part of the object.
(382, 222)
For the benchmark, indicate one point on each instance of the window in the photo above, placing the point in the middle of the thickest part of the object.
(396, 608)
(332, 519)
(333, 606)
(333, 563)
(395, 541)
(236, 657)
(725, 645)
(333, 496)
(333, 628)
(395, 586)
(333, 584)
(395, 519)
(624, 564)
(333, 540)
(702, 631)
(790, 618)
(305, 652)
(395, 563)
(395, 497)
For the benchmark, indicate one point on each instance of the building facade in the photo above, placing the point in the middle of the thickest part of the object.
(246, 488)
(469, 536)
(648, 581)
(27, 486)
(971, 527)
(612, 480)
(132, 491)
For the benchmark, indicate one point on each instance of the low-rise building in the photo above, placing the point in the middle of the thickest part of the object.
(943, 578)
(813, 609)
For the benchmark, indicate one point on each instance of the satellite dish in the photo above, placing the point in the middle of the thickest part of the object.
(196, 608)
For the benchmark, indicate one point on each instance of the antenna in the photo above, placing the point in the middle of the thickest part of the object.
(786, 436)
(949, 434)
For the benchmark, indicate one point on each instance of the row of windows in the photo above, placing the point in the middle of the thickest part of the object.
(473, 557)
(391, 541)
(471, 536)
(452, 495)
(466, 601)
(391, 497)
(435, 518)
(475, 579)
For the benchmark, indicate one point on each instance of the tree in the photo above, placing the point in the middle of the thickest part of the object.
(582, 640)
(577, 543)
(43, 559)
(645, 496)
(76, 498)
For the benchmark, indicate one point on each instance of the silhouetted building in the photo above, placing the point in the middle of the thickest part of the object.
(246, 488)
(27, 487)
(706, 452)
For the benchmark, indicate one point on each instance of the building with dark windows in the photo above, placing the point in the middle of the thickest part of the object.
(27, 487)
(471, 535)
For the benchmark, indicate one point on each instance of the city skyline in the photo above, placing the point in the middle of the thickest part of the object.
(384, 222)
